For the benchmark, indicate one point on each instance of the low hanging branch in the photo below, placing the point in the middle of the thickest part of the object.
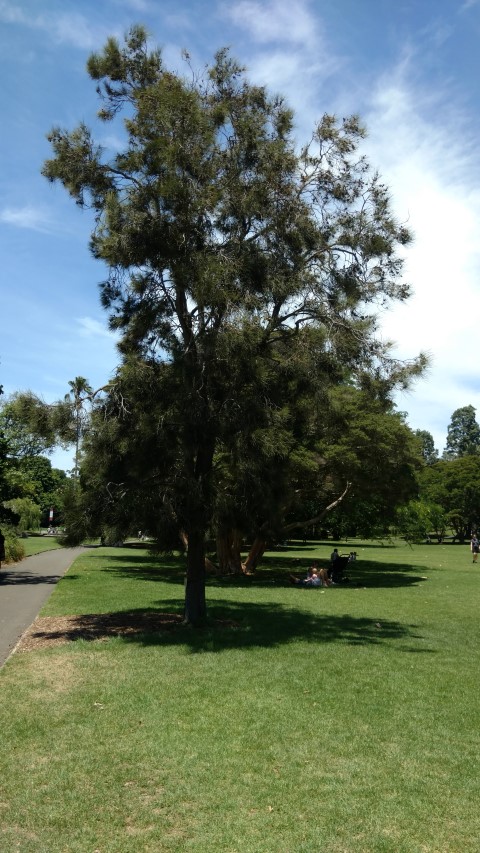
(259, 545)
(316, 518)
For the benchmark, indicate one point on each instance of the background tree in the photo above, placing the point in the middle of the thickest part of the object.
(29, 513)
(44, 484)
(31, 427)
(21, 440)
(417, 520)
(366, 441)
(7, 491)
(34, 427)
(454, 485)
(463, 438)
(80, 392)
(427, 444)
(224, 241)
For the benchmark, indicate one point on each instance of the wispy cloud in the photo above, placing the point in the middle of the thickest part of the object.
(136, 5)
(113, 142)
(90, 328)
(289, 52)
(276, 21)
(426, 155)
(66, 27)
(33, 218)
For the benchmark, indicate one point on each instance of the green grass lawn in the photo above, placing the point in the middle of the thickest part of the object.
(343, 720)
(37, 544)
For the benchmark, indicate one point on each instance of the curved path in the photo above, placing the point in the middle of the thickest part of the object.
(24, 589)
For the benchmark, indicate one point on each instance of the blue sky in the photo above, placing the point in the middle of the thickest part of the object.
(410, 68)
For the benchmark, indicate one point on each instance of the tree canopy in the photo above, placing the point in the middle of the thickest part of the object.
(454, 485)
(427, 445)
(463, 437)
(244, 276)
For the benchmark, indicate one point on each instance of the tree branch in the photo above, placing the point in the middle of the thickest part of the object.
(322, 514)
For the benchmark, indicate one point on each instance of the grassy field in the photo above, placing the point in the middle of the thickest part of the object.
(37, 544)
(340, 720)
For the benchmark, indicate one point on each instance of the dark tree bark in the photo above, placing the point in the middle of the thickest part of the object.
(195, 603)
(228, 552)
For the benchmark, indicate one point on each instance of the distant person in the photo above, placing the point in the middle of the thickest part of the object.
(312, 578)
(315, 577)
(334, 557)
(2, 548)
(474, 547)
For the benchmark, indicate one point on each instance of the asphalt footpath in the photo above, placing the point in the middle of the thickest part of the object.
(24, 589)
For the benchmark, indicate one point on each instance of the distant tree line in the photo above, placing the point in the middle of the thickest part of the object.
(448, 500)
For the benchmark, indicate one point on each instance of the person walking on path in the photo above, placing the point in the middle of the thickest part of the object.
(474, 547)
(2, 548)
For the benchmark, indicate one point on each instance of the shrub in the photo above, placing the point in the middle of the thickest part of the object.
(14, 550)
(28, 511)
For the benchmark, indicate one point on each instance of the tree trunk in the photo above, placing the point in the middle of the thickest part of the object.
(256, 552)
(228, 552)
(195, 603)
(196, 511)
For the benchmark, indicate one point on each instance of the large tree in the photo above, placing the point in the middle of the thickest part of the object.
(463, 437)
(366, 440)
(80, 392)
(21, 440)
(454, 485)
(29, 429)
(7, 491)
(33, 426)
(225, 242)
(427, 445)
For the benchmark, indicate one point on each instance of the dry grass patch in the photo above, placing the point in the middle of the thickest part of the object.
(52, 675)
(48, 631)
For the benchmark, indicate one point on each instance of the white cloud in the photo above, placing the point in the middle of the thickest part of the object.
(66, 28)
(277, 21)
(113, 142)
(11, 14)
(137, 5)
(289, 53)
(90, 328)
(33, 218)
(70, 28)
(425, 154)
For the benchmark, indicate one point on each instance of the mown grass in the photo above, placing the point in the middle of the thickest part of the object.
(342, 720)
(37, 544)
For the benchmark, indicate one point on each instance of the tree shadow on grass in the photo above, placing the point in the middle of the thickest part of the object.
(230, 625)
(274, 571)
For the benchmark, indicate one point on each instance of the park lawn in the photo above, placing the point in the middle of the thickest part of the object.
(342, 720)
(37, 544)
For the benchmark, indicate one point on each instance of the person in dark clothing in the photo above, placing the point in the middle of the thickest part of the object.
(2, 548)
(474, 547)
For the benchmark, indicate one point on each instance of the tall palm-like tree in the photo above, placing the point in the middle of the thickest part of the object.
(80, 390)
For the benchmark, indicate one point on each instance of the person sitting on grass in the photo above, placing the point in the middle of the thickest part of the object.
(315, 577)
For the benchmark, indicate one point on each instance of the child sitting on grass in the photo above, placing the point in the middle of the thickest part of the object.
(315, 577)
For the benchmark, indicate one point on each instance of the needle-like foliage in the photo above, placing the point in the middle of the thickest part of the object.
(233, 253)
